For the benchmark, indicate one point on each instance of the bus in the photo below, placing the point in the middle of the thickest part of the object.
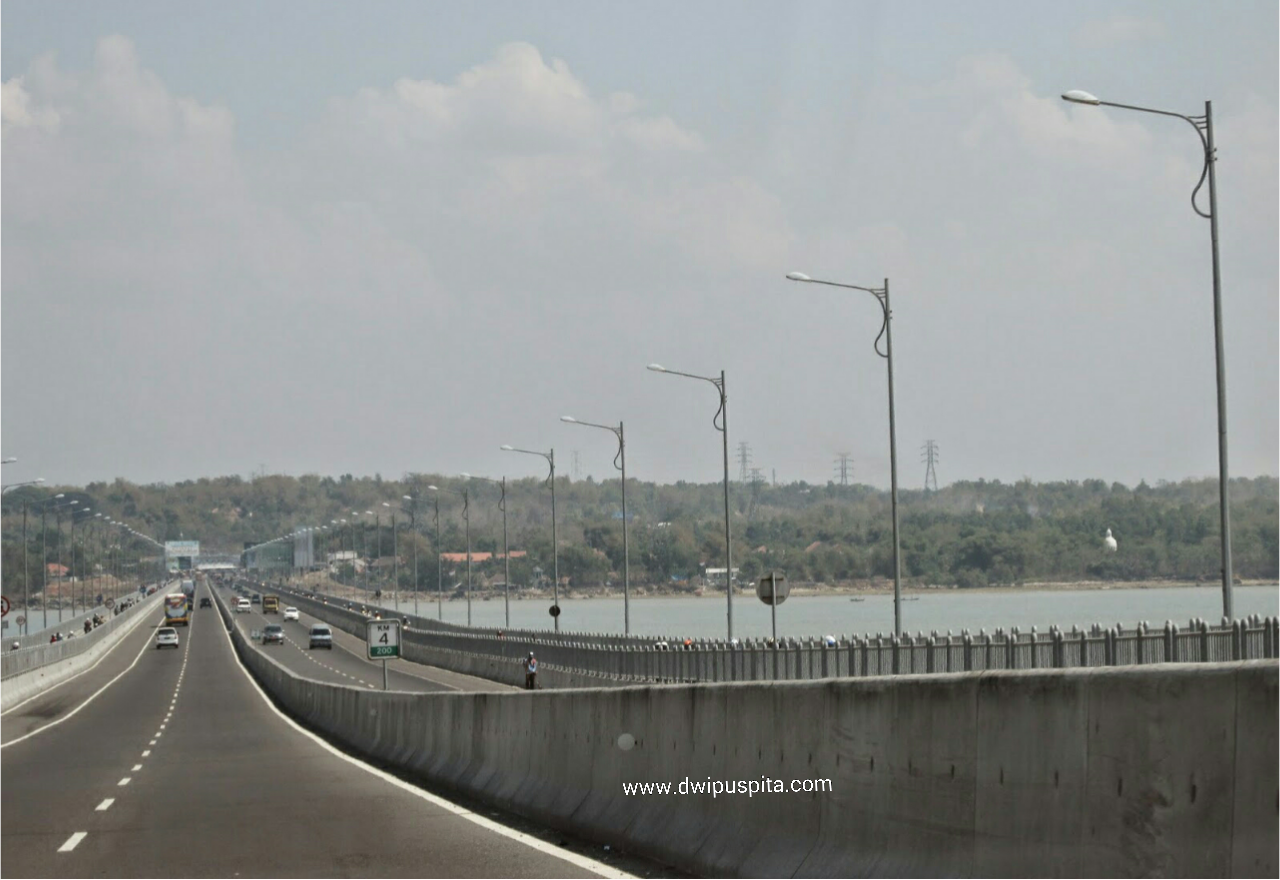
(176, 610)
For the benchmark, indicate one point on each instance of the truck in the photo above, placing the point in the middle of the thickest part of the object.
(189, 590)
(270, 604)
(176, 610)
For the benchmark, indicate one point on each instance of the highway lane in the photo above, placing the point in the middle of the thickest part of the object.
(347, 662)
(55, 703)
(220, 783)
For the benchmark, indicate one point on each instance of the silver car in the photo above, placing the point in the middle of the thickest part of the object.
(321, 637)
(166, 637)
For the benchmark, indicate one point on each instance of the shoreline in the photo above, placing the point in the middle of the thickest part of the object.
(853, 591)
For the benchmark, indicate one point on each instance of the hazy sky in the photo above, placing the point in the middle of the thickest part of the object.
(390, 237)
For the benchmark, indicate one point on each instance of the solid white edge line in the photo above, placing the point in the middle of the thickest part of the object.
(532, 842)
(123, 635)
(73, 841)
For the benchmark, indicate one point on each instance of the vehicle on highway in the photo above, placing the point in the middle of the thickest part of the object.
(176, 610)
(255, 599)
(291, 613)
(321, 637)
(274, 633)
(166, 637)
(243, 605)
(205, 602)
(270, 604)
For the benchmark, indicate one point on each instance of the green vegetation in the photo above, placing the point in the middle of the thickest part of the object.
(969, 534)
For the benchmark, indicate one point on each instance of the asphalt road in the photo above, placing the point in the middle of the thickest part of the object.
(347, 663)
(182, 768)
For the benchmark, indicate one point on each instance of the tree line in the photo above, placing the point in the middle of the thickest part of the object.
(967, 534)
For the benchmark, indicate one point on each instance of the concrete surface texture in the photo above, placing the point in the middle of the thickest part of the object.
(1134, 771)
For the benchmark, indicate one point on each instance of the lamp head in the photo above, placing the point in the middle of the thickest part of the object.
(569, 419)
(407, 497)
(60, 495)
(1077, 96)
(798, 276)
(433, 488)
(657, 368)
(507, 447)
(385, 504)
(38, 480)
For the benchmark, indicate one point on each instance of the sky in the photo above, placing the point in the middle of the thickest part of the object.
(385, 237)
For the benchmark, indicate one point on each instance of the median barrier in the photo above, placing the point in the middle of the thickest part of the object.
(1141, 770)
(30, 670)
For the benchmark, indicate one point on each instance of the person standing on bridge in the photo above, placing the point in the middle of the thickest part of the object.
(531, 672)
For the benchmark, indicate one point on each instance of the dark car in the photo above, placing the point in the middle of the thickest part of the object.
(255, 599)
(205, 603)
(273, 632)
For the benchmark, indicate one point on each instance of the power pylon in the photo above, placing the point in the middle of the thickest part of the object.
(757, 480)
(744, 462)
(929, 455)
(844, 468)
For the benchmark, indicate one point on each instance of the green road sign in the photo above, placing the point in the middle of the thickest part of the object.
(383, 639)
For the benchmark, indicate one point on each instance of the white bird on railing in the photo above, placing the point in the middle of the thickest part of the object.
(1109, 542)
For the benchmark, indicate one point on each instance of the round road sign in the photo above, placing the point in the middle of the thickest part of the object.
(22, 620)
(555, 611)
(4, 606)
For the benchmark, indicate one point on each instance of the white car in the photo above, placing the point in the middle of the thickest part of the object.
(166, 637)
(243, 605)
(291, 613)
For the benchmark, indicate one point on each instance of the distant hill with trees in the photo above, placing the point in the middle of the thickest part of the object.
(968, 534)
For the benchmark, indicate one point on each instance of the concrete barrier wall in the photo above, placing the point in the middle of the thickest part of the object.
(30, 670)
(1135, 771)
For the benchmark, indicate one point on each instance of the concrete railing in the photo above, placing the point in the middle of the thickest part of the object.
(1085, 772)
(590, 664)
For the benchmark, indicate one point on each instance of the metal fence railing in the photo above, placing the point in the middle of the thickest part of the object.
(635, 660)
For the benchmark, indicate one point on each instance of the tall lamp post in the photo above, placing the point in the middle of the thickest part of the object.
(5, 490)
(721, 423)
(439, 560)
(555, 538)
(619, 462)
(412, 510)
(395, 558)
(506, 548)
(44, 561)
(886, 332)
(84, 598)
(1204, 129)
(466, 518)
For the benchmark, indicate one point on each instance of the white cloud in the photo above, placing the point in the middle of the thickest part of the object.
(16, 109)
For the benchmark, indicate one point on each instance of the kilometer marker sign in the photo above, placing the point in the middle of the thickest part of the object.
(383, 639)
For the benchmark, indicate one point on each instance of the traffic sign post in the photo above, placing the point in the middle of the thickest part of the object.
(383, 641)
(4, 606)
(773, 591)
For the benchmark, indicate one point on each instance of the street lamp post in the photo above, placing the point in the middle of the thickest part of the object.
(555, 538)
(395, 560)
(1204, 129)
(506, 548)
(413, 528)
(721, 423)
(466, 518)
(886, 332)
(439, 561)
(620, 462)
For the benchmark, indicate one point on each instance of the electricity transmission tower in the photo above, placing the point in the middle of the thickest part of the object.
(744, 462)
(929, 455)
(757, 480)
(844, 468)
(577, 467)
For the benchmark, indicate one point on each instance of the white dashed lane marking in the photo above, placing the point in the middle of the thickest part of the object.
(125, 781)
(73, 841)
(105, 805)
(146, 753)
(136, 768)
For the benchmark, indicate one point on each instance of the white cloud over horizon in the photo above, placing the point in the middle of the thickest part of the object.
(438, 266)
